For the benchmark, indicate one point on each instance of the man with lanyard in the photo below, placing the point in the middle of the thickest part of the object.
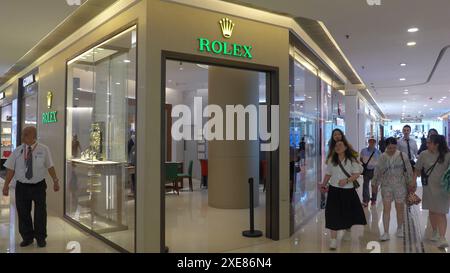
(408, 145)
(369, 158)
(28, 165)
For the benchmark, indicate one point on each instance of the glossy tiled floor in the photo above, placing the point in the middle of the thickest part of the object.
(313, 237)
(60, 234)
(191, 226)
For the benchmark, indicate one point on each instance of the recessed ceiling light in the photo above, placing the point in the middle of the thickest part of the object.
(444, 97)
(440, 101)
(420, 112)
(413, 29)
(402, 79)
(425, 105)
(402, 64)
(127, 61)
(117, 83)
(431, 109)
(77, 99)
(411, 44)
(406, 92)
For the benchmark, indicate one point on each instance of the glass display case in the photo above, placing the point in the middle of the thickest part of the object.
(6, 131)
(100, 143)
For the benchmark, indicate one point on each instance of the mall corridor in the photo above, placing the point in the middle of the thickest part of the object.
(224, 126)
(312, 237)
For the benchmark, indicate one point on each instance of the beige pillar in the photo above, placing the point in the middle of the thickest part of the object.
(231, 162)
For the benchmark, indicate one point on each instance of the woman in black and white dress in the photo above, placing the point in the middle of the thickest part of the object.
(343, 208)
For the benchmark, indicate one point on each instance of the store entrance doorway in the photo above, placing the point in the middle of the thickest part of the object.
(205, 177)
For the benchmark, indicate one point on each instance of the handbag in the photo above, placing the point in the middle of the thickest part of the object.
(365, 170)
(411, 198)
(424, 175)
(355, 183)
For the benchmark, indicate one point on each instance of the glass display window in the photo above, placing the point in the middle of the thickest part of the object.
(6, 131)
(29, 101)
(100, 139)
(305, 144)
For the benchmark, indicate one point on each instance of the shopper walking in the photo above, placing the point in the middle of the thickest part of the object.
(369, 158)
(431, 166)
(337, 135)
(343, 208)
(28, 166)
(408, 145)
(382, 145)
(392, 174)
(424, 145)
(302, 151)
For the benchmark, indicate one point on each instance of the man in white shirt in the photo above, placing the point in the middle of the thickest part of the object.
(28, 166)
(408, 145)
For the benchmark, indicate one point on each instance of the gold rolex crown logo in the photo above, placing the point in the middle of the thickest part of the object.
(49, 99)
(227, 27)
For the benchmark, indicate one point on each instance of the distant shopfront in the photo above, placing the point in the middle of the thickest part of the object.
(18, 109)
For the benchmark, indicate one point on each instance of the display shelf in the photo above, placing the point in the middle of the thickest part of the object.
(95, 163)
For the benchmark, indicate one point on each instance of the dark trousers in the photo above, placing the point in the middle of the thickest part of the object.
(26, 194)
(366, 188)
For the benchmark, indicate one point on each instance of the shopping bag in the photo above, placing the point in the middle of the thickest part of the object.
(445, 182)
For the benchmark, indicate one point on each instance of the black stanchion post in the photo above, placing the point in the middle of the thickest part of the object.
(252, 232)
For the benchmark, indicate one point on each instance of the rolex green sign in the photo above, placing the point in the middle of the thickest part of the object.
(224, 48)
(49, 117)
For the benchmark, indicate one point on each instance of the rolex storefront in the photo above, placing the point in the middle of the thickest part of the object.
(140, 109)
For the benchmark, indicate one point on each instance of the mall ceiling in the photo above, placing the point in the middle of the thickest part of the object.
(374, 39)
(28, 28)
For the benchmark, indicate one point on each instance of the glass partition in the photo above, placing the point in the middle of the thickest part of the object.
(305, 142)
(100, 139)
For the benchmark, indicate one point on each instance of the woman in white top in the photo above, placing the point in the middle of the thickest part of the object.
(343, 208)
